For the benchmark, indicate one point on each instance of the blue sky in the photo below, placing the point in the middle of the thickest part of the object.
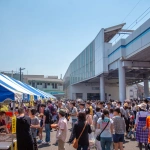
(44, 36)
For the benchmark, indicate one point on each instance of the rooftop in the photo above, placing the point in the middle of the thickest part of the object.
(45, 80)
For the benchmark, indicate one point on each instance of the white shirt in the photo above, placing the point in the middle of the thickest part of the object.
(141, 114)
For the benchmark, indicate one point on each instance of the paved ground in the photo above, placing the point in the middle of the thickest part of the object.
(129, 145)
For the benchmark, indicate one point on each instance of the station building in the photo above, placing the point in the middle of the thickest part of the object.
(103, 70)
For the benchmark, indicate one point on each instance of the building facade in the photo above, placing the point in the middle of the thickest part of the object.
(103, 69)
(50, 84)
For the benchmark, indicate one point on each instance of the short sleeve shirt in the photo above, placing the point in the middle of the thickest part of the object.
(73, 111)
(34, 121)
(62, 125)
(91, 110)
(47, 114)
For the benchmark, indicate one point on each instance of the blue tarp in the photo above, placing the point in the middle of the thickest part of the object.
(6, 94)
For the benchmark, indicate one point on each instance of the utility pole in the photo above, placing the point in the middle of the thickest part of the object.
(20, 71)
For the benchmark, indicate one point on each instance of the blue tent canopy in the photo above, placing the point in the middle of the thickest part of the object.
(9, 94)
(6, 94)
(4, 80)
(25, 89)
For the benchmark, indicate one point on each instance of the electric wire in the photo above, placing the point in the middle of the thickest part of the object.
(136, 21)
(131, 11)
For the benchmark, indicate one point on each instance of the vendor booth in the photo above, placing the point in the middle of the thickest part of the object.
(14, 92)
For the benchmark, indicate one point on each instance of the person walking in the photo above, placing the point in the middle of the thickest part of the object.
(106, 136)
(126, 117)
(46, 122)
(97, 115)
(73, 113)
(35, 124)
(140, 123)
(62, 130)
(119, 129)
(81, 124)
(23, 131)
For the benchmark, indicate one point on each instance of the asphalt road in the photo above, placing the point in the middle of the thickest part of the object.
(128, 145)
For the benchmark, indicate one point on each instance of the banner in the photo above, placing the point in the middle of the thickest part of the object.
(13, 124)
(31, 100)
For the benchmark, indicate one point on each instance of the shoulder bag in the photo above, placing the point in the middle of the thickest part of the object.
(75, 141)
(98, 138)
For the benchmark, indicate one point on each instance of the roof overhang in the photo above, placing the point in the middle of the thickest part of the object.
(110, 32)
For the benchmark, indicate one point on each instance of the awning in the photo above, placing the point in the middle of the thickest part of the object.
(7, 94)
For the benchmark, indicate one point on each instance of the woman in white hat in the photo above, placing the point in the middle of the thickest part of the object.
(141, 134)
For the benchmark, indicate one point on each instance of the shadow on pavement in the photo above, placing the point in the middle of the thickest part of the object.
(43, 145)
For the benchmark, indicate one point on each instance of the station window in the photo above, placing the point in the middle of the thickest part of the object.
(45, 85)
(53, 85)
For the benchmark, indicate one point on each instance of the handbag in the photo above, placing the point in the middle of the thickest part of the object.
(75, 141)
(98, 138)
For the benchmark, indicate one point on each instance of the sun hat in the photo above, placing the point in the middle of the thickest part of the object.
(126, 105)
(142, 106)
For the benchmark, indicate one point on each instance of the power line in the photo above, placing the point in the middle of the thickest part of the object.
(136, 21)
(139, 17)
(128, 15)
(131, 11)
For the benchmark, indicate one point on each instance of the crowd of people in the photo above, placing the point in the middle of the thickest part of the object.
(94, 124)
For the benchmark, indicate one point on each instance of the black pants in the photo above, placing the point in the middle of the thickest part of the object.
(127, 121)
(145, 145)
(35, 144)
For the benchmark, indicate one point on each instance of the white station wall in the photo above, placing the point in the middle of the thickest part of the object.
(87, 88)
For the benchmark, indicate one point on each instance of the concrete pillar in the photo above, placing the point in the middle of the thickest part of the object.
(84, 96)
(146, 88)
(102, 88)
(122, 82)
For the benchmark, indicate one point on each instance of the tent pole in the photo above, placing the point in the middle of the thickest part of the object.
(12, 133)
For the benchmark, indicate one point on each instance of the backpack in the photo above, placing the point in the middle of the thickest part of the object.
(50, 115)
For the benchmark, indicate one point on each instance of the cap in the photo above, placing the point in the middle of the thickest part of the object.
(62, 112)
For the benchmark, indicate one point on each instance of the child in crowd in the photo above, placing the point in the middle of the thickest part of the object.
(131, 133)
(35, 124)
(40, 130)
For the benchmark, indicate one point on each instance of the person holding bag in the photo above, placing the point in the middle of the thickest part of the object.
(79, 135)
(106, 126)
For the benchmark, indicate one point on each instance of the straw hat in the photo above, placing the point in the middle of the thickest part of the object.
(143, 106)
(126, 105)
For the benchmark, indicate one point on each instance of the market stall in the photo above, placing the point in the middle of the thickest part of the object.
(12, 94)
